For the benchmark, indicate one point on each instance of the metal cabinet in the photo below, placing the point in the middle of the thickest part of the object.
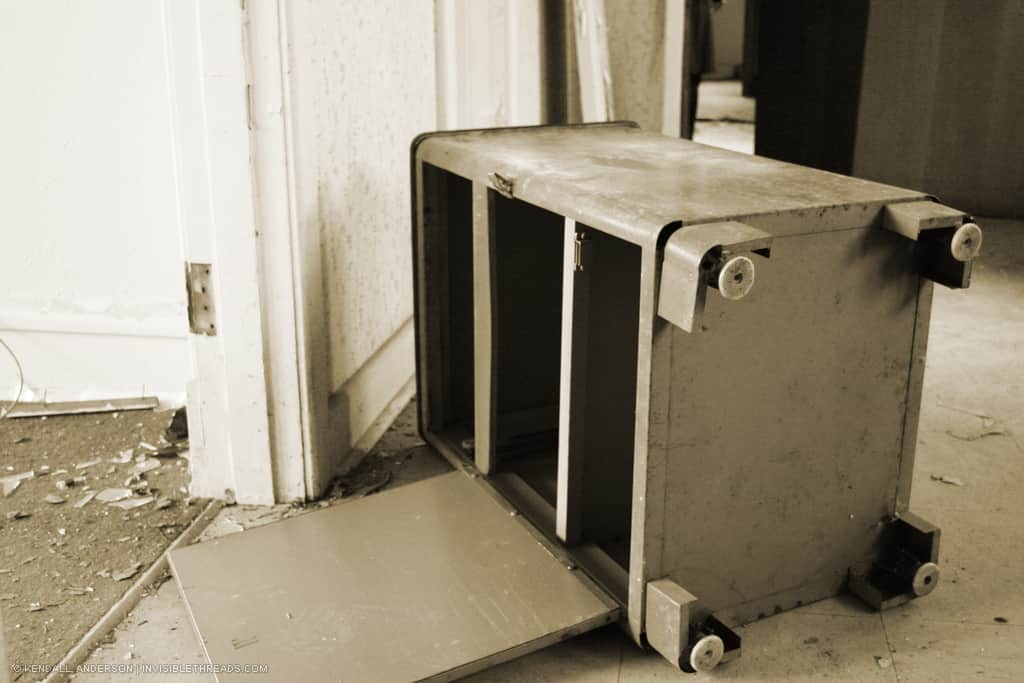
(680, 389)
(699, 371)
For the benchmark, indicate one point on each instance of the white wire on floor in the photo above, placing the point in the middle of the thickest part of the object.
(21, 381)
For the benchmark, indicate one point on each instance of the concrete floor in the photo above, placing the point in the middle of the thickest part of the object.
(971, 431)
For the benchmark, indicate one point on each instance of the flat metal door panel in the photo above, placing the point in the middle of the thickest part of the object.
(432, 581)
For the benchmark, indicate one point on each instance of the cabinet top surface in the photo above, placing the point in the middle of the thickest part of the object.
(633, 183)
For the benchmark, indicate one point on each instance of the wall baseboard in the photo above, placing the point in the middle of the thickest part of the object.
(376, 430)
(361, 410)
(72, 366)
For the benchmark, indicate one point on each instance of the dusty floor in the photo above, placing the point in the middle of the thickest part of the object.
(968, 480)
(63, 566)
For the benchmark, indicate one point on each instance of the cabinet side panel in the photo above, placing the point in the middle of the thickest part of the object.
(786, 423)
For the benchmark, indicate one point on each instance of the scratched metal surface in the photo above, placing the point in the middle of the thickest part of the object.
(632, 183)
(785, 423)
(401, 586)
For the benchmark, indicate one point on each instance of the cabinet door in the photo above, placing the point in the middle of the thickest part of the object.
(431, 581)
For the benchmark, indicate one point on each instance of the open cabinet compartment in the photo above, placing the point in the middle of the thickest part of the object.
(550, 417)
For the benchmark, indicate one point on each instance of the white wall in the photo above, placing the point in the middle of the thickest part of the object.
(360, 83)
(489, 63)
(91, 276)
(636, 53)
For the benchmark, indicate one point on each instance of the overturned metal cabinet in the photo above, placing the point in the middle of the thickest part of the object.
(679, 387)
(699, 371)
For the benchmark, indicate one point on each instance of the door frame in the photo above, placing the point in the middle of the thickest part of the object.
(254, 417)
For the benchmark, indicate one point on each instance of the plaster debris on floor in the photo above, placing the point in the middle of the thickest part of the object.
(75, 535)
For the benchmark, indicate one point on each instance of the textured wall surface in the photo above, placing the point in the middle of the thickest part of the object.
(943, 84)
(91, 289)
(636, 54)
(362, 86)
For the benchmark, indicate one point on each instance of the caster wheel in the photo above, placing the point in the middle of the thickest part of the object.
(707, 653)
(966, 242)
(926, 578)
(736, 278)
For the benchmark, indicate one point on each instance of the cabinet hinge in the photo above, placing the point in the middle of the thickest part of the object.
(582, 249)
